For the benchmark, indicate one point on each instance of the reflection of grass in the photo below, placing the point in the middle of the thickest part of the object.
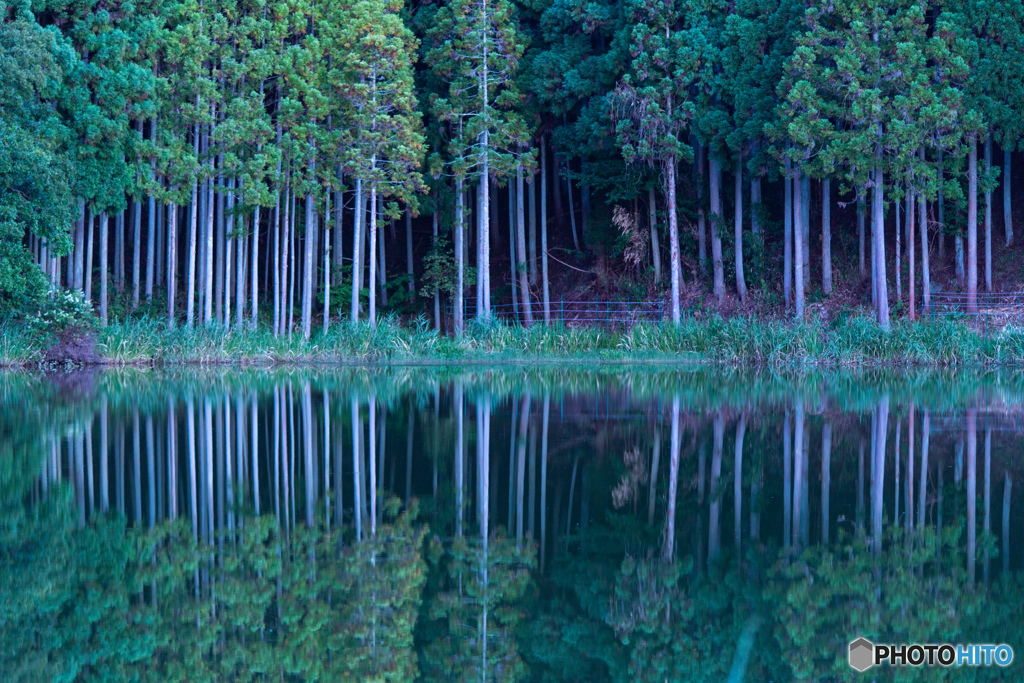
(849, 341)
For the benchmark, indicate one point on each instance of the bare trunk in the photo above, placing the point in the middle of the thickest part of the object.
(357, 249)
(460, 259)
(104, 274)
(826, 236)
(860, 237)
(532, 237)
(926, 281)
(879, 242)
(673, 237)
(1007, 215)
(911, 214)
(972, 227)
(172, 260)
(787, 229)
(798, 246)
(715, 174)
(544, 231)
(805, 216)
(988, 214)
(524, 285)
(702, 248)
(652, 215)
(741, 285)
(373, 260)
(408, 254)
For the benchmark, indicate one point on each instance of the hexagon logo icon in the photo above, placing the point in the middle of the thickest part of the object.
(862, 654)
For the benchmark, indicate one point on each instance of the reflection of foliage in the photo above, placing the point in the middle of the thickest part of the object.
(635, 475)
(477, 611)
(832, 595)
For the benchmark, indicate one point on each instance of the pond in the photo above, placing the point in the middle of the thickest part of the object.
(579, 523)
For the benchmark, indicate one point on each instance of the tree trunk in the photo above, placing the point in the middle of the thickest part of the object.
(988, 214)
(382, 271)
(137, 246)
(193, 237)
(910, 252)
(715, 174)
(572, 209)
(899, 274)
(926, 281)
(702, 248)
(826, 236)
(373, 260)
(483, 307)
(79, 258)
(878, 238)
(798, 245)
(89, 240)
(151, 238)
(755, 205)
(104, 275)
(787, 229)
(283, 251)
(460, 255)
(524, 285)
(437, 295)
(805, 215)
(860, 237)
(972, 227)
(673, 236)
(741, 285)
(512, 257)
(544, 230)
(208, 270)
(357, 249)
(1007, 212)
(655, 248)
(408, 254)
(221, 262)
(532, 238)
(172, 260)
(308, 266)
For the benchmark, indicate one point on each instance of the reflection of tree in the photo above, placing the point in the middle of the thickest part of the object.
(456, 635)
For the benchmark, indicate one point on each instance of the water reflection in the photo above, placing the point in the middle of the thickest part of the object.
(496, 524)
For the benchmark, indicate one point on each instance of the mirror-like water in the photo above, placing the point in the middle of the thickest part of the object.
(504, 524)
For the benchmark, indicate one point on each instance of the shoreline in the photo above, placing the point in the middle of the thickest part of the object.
(710, 341)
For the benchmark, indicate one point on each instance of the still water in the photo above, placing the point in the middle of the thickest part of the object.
(579, 524)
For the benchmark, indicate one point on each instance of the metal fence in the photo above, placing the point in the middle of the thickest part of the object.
(994, 310)
(596, 312)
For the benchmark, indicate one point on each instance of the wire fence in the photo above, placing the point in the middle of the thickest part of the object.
(595, 312)
(993, 310)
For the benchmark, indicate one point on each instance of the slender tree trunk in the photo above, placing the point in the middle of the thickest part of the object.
(382, 270)
(221, 260)
(104, 274)
(1007, 217)
(208, 270)
(408, 254)
(327, 265)
(137, 245)
(673, 237)
(532, 237)
(972, 227)
(89, 241)
(787, 229)
(79, 259)
(572, 208)
(879, 242)
(715, 174)
(988, 214)
(309, 242)
(926, 282)
(193, 236)
(285, 244)
(119, 251)
(910, 252)
(437, 294)
(798, 245)
(373, 248)
(483, 304)
(544, 230)
(826, 236)
(460, 257)
(860, 236)
(652, 215)
(741, 284)
(172, 260)
(805, 214)
(357, 249)
(899, 274)
(702, 248)
(513, 259)
(755, 204)
(524, 285)
(151, 237)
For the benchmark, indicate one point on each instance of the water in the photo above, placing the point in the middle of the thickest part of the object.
(620, 523)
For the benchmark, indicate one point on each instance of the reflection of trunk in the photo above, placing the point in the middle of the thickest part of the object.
(104, 448)
(737, 488)
(798, 474)
(79, 457)
(787, 485)
(652, 494)
(459, 466)
(910, 469)
(755, 489)
(544, 477)
(531, 527)
(1007, 487)
(373, 463)
(483, 483)
(860, 483)
(987, 495)
(668, 550)
(826, 478)
(572, 492)
(524, 417)
(408, 457)
(896, 477)
(718, 430)
(357, 456)
(922, 491)
(878, 471)
(972, 490)
(307, 442)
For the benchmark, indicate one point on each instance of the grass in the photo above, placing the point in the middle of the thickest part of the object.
(855, 341)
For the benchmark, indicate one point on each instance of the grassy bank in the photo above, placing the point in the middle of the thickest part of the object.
(736, 341)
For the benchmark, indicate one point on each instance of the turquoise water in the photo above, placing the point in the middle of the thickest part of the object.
(442, 523)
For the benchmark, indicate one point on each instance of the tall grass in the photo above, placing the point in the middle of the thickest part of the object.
(855, 341)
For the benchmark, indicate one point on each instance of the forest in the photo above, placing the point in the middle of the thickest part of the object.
(283, 165)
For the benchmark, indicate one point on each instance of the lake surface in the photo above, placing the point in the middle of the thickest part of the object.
(565, 523)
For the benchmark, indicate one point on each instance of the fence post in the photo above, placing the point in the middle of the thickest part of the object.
(561, 300)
